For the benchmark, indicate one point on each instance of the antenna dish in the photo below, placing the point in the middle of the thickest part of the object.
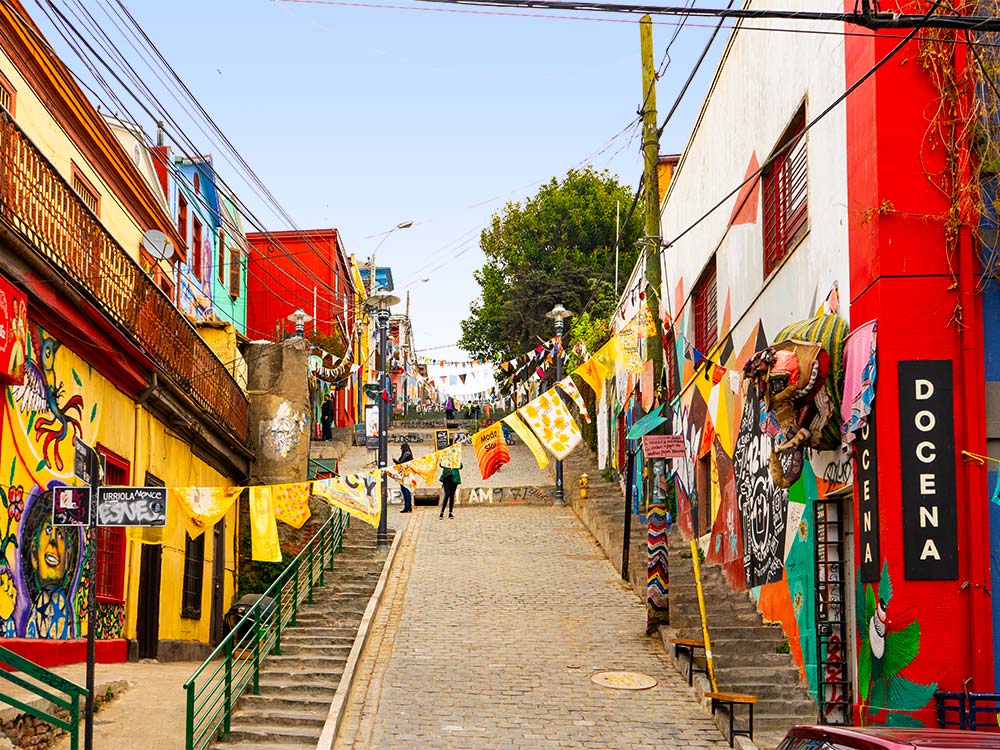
(157, 244)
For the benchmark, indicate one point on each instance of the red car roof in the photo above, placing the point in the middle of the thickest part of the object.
(901, 738)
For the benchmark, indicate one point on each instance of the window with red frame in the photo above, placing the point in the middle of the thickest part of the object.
(704, 302)
(786, 195)
(182, 218)
(222, 256)
(196, 238)
(670, 364)
(235, 261)
(111, 539)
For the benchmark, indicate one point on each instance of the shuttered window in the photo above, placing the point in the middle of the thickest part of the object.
(222, 256)
(786, 196)
(704, 301)
(235, 267)
(110, 539)
(194, 574)
(86, 191)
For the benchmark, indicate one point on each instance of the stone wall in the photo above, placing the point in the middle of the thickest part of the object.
(26, 731)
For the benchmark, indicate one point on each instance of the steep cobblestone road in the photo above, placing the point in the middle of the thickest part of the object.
(506, 613)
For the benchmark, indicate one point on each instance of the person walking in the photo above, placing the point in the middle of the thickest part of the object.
(326, 417)
(405, 454)
(450, 479)
(449, 408)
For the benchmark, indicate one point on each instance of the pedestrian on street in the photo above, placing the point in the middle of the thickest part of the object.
(405, 454)
(449, 408)
(450, 479)
(326, 417)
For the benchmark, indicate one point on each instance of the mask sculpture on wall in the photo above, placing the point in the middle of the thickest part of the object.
(800, 378)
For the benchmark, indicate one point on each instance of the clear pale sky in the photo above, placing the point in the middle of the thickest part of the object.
(361, 117)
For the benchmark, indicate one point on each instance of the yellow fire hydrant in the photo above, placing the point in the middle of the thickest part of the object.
(584, 484)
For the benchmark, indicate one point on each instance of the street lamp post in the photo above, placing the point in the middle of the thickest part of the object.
(559, 314)
(400, 225)
(300, 318)
(382, 301)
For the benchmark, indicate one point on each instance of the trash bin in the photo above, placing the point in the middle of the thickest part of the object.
(240, 609)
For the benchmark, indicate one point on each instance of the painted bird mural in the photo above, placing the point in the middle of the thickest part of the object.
(44, 392)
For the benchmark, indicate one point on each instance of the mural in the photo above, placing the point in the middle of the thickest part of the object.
(43, 587)
(887, 648)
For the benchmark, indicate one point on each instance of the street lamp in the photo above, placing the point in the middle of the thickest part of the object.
(381, 301)
(300, 318)
(400, 225)
(559, 314)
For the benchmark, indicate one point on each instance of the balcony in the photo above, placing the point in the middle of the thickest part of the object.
(39, 204)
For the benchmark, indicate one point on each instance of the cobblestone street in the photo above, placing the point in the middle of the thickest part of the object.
(506, 612)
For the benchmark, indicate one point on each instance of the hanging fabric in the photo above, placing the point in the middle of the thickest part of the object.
(524, 432)
(552, 423)
(358, 494)
(264, 545)
(491, 450)
(202, 507)
(602, 431)
(291, 503)
(567, 386)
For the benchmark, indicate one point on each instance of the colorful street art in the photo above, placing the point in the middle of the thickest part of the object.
(42, 582)
(887, 648)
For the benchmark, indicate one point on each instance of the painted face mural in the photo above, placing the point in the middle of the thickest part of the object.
(49, 556)
(800, 379)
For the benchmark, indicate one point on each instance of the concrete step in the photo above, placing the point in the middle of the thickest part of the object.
(311, 648)
(271, 684)
(722, 636)
(266, 733)
(783, 675)
(256, 745)
(261, 715)
(320, 663)
(303, 676)
(282, 702)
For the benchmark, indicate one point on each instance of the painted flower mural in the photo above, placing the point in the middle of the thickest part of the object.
(887, 649)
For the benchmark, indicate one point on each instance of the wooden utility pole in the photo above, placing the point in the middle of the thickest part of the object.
(651, 153)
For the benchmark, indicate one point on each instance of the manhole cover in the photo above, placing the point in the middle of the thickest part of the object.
(623, 680)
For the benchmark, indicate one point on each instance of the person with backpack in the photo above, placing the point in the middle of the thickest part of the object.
(405, 454)
(450, 479)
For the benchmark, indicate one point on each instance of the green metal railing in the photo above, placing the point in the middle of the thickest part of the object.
(58, 691)
(233, 668)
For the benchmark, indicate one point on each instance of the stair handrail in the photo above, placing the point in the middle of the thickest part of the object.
(67, 694)
(209, 706)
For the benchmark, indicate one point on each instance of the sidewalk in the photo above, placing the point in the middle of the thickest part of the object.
(490, 643)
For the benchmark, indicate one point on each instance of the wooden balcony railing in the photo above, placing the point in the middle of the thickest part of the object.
(37, 202)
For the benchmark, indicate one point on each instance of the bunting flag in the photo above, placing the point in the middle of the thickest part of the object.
(594, 375)
(522, 430)
(202, 507)
(609, 355)
(462, 377)
(552, 423)
(491, 450)
(291, 503)
(646, 424)
(424, 467)
(264, 546)
(451, 457)
(358, 494)
(569, 388)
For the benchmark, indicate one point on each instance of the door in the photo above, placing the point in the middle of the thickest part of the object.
(148, 623)
(218, 580)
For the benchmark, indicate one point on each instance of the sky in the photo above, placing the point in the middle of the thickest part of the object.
(361, 117)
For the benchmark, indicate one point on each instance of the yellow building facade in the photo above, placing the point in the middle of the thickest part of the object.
(96, 356)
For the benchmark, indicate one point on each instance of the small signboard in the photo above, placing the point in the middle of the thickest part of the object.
(81, 460)
(71, 506)
(441, 440)
(132, 506)
(359, 434)
(663, 446)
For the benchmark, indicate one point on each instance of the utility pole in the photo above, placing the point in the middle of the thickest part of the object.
(651, 153)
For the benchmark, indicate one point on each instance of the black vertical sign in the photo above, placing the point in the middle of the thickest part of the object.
(866, 474)
(927, 463)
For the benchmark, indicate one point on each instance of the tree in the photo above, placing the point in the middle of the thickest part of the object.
(556, 247)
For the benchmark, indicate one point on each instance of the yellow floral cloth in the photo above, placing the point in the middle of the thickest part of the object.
(451, 457)
(424, 467)
(264, 545)
(202, 507)
(358, 494)
(525, 433)
(548, 416)
(491, 450)
(567, 386)
(291, 503)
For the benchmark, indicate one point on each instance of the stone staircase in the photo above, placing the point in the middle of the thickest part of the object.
(748, 653)
(297, 687)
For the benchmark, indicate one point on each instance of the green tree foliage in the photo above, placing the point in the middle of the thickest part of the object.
(556, 247)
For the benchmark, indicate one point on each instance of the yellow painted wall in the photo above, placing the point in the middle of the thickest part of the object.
(222, 341)
(361, 356)
(32, 117)
(63, 396)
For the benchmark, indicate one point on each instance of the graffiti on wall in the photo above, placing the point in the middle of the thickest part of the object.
(42, 582)
(888, 647)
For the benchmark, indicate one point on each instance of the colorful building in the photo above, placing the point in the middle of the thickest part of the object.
(860, 223)
(95, 355)
(307, 270)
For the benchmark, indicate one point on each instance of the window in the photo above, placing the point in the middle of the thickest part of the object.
(111, 541)
(8, 94)
(182, 217)
(196, 181)
(86, 191)
(194, 573)
(222, 256)
(786, 196)
(703, 299)
(196, 237)
(670, 363)
(235, 269)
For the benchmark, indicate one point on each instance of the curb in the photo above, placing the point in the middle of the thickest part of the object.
(336, 714)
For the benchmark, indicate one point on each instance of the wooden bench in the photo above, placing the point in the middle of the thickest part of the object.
(690, 646)
(729, 701)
